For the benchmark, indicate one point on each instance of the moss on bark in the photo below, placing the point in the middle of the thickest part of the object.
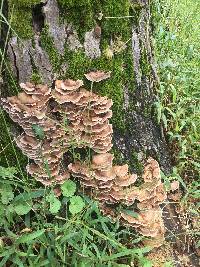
(20, 16)
(84, 15)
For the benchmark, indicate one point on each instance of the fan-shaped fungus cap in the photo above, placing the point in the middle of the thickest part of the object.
(33, 89)
(28, 103)
(80, 170)
(121, 171)
(148, 222)
(97, 76)
(67, 85)
(40, 171)
(104, 176)
(151, 171)
(174, 186)
(102, 160)
(126, 180)
(29, 145)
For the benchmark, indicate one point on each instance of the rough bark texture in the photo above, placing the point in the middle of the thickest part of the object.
(142, 133)
(56, 43)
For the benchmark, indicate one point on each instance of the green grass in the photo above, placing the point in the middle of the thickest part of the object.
(177, 44)
(39, 229)
(177, 47)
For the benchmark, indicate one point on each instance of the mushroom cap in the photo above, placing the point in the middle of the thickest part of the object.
(126, 180)
(121, 171)
(97, 76)
(104, 176)
(117, 195)
(27, 87)
(26, 140)
(102, 160)
(174, 185)
(69, 85)
(77, 168)
(34, 90)
(38, 171)
(151, 171)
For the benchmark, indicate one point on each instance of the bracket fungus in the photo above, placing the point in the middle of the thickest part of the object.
(114, 184)
(97, 76)
(69, 114)
(86, 114)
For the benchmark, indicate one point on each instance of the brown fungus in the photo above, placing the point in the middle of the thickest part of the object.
(80, 117)
(97, 76)
(114, 184)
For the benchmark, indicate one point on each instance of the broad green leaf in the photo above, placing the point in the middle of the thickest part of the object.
(22, 208)
(8, 172)
(68, 188)
(76, 204)
(55, 203)
(6, 193)
(26, 238)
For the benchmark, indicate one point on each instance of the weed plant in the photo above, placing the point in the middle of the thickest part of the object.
(177, 45)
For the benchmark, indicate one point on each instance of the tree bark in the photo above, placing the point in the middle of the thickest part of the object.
(26, 56)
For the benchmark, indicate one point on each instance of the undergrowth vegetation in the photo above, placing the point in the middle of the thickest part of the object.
(38, 228)
(177, 44)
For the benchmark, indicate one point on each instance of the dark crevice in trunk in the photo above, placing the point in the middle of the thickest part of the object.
(15, 63)
(38, 18)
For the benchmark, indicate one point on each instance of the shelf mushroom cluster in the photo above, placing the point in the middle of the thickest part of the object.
(53, 119)
(87, 116)
(113, 184)
(29, 108)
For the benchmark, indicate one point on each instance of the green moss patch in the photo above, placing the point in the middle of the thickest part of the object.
(86, 14)
(47, 44)
(113, 87)
(20, 17)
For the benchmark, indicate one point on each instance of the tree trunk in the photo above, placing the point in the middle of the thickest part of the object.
(65, 39)
(102, 37)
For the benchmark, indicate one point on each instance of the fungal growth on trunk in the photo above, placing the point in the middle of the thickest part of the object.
(54, 120)
(115, 185)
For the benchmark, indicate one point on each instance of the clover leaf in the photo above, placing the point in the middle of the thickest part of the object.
(68, 188)
(76, 204)
(54, 202)
(22, 208)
